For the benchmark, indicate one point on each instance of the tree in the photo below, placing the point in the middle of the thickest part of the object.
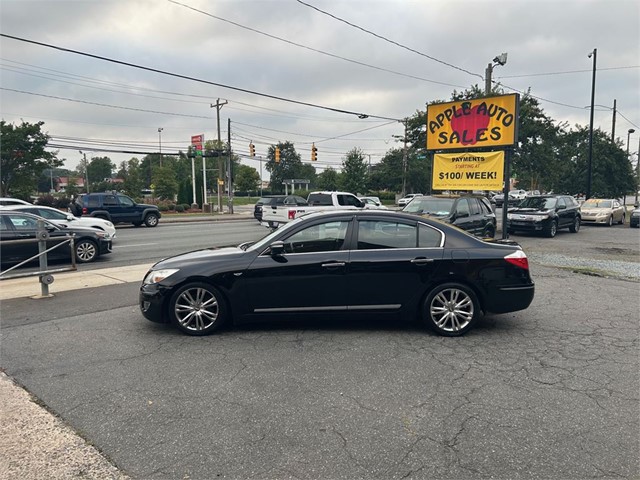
(99, 169)
(23, 157)
(288, 168)
(354, 172)
(247, 179)
(133, 176)
(165, 183)
(328, 180)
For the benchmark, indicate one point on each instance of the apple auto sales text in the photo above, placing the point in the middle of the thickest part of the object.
(469, 136)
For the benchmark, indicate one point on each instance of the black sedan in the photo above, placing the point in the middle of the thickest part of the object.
(89, 243)
(323, 264)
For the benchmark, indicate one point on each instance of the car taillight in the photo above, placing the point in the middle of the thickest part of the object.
(519, 259)
(292, 214)
(84, 210)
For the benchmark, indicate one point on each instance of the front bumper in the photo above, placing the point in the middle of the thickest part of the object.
(151, 301)
(105, 247)
(595, 219)
(528, 225)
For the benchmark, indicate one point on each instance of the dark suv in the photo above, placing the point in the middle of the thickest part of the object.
(545, 214)
(115, 207)
(468, 212)
(275, 201)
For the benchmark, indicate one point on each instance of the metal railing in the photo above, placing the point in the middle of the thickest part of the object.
(44, 273)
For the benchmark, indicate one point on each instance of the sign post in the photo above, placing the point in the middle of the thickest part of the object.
(196, 143)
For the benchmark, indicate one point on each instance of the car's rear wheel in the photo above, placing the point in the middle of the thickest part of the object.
(86, 251)
(197, 309)
(575, 227)
(151, 220)
(552, 230)
(451, 309)
(622, 219)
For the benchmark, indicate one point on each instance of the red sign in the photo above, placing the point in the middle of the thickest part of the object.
(197, 141)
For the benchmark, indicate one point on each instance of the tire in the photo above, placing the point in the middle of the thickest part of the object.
(488, 232)
(610, 221)
(187, 312)
(86, 251)
(552, 230)
(451, 309)
(575, 226)
(151, 220)
(622, 219)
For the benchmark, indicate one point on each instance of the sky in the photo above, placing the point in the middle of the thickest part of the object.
(301, 71)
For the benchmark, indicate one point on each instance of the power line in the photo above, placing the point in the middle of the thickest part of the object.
(193, 79)
(567, 72)
(350, 60)
(389, 40)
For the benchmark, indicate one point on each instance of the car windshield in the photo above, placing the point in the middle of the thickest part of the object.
(593, 203)
(538, 203)
(432, 206)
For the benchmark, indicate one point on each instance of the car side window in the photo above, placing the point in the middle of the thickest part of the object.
(428, 237)
(561, 203)
(474, 207)
(486, 206)
(379, 234)
(22, 223)
(347, 200)
(109, 201)
(125, 201)
(462, 208)
(323, 237)
(93, 202)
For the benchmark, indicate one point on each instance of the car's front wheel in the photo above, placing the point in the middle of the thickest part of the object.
(197, 309)
(86, 251)
(610, 221)
(552, 230)
(575, 226)
(151, 220)
(622, 219)
(451, 309)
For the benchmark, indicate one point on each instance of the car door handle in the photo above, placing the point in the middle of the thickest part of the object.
(422, 261)
(333, 265)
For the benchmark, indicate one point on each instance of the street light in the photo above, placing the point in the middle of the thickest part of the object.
(499, 60)
(593, 54)
(160, 142)
(629, 132)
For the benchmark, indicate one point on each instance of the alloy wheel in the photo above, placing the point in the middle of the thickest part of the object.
(451, 310)
(196, 309)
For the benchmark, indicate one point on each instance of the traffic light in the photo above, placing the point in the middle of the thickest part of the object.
(252, 150)
(314, 152)
(277, 154)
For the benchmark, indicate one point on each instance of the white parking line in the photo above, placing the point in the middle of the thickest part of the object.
(135, 245)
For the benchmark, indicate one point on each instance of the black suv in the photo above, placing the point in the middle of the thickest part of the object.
(115, 207)
(472, 213)
(275, 201)
(545, 214)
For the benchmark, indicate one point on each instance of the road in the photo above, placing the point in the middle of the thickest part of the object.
(550, 392)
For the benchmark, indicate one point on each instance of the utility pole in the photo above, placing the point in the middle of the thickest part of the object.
(229, 173)
(218, 106)
(593, 54)
(160, 142)
(404, 160)
(613, 123)
(86, 170)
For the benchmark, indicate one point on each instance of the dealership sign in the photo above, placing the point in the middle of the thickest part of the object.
(468, 171)
(477, 123)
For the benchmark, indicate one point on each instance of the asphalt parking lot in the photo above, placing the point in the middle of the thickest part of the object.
(549, 392)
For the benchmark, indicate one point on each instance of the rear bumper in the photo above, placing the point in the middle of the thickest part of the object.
(510, 298)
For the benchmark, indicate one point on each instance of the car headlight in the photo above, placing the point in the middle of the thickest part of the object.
(509, 216)
(155, 276)
(104, 235)
(542, 218)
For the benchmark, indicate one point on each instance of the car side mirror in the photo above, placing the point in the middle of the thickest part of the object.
(277, 248)
(70, 218)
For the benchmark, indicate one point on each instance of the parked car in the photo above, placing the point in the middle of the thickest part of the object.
(7, 201)
(472, 213)
(89, 242)
(63, 219)
(515, 196)
(606, 211)
(407, 198)
(115, 207)
(372, 203)
(342, 262)
(274, 201)
(545, 214)
(634, 219)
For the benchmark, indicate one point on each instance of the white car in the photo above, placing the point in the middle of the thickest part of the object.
(62, 218)
(6, 202)
(372, 203)
(407, 198)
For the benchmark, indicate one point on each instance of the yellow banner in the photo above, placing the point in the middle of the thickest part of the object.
(481, 122)
(468, 171)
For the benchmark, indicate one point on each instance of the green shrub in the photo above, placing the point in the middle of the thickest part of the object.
(179, 208)
(163, 208)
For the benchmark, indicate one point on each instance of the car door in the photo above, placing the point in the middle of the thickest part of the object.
(390, 263)
(565, 214)
(126, 210)
(307, 277)
(19, 226)
(462, 215)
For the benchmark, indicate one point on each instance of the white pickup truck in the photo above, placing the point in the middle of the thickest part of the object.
(276, 215)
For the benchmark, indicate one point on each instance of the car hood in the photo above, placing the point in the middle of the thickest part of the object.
(201, 257)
